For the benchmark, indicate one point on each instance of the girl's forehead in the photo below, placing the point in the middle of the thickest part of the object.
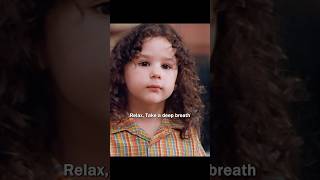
(157, 44)
(157, 39)
(165, 58)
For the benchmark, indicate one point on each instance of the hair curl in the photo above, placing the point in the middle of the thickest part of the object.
(186, 96)
(24, 96)
(252, 91)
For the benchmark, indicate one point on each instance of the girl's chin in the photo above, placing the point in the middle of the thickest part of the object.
(152, 101)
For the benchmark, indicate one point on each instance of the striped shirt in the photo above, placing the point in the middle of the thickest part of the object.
(128, 139)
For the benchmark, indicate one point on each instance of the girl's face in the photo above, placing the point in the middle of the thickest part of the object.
(75, 52)
(150, 77)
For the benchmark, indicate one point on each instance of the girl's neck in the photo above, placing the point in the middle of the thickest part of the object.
(136, 106)
(149, 124)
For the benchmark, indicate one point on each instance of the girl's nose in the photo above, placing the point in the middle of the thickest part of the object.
(155, 73)
(155, 76)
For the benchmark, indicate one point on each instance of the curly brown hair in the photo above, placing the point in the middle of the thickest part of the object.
(25, 125)
(252, 91)
(186, 96)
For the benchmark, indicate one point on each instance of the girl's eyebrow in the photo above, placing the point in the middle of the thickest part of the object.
(143, 55)
(173, 60)
(165, 58)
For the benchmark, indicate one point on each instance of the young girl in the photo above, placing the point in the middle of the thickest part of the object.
(152, 72)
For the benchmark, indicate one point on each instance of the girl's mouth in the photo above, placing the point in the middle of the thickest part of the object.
(154, 88)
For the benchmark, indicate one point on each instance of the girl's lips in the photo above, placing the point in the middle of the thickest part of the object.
(154, 88)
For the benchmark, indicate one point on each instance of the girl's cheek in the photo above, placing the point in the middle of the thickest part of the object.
(173, 73)
(140, 69)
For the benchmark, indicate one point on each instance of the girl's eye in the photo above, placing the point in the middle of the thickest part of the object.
(103, 8)
(144, 63)
(166, 66)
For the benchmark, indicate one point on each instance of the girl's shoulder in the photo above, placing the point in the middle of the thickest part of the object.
(197, 143)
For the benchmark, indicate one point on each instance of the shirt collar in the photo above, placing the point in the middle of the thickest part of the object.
(130, 125)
